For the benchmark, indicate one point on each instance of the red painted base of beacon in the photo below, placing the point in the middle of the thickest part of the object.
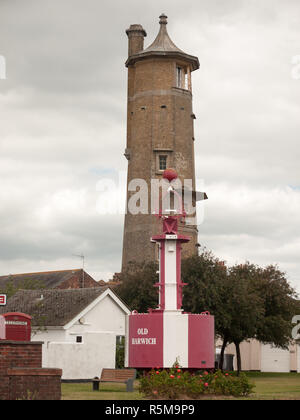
(159, 339)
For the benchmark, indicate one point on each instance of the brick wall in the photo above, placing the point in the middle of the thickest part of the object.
(21, 373)
(20, 354)
(4, 387)
(78, 281)
(34, 384)
(160, 120)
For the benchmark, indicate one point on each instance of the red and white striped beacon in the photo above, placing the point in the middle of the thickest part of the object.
(167, 335)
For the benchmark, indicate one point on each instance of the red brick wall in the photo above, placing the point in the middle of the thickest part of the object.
(20, 354)
(21, 373)
(4, 387)
(76, 282)
(34, 384)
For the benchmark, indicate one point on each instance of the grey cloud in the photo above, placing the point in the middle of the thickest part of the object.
(63, 126)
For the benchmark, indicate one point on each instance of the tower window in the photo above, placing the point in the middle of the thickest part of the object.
(186, 81)
(183, 78)
(79, 339)
(179, 76)
(162, 162)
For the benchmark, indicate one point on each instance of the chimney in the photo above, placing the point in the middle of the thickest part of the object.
(136, 35)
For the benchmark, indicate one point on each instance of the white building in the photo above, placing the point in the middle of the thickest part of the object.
(79, 327)
(261, 357)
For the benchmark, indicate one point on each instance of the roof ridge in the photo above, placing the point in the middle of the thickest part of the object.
(42, 272)
(62, 290)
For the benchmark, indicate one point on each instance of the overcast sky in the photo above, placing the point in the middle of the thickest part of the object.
(63, 127)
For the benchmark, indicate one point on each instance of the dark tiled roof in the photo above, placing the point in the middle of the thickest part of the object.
(47, 280)
(52, 307)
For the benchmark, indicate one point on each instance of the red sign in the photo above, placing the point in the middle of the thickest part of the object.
(146, 340)
(2, 300)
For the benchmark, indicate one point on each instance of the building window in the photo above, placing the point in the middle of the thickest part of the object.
(163, 162)
(120, 340)
(163, 159)
(79, 339)
(120, 352)
(179, 75)
(186, 81)
(183, 78)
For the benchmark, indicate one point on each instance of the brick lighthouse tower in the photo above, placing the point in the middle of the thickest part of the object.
(160, 131)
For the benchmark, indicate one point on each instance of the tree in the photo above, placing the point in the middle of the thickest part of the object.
(137, 287)
(248, 302)
(244, 307)
(272, 307)
(280, 305)
(230, 298)
(205, 276)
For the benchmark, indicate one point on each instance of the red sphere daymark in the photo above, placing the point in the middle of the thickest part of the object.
(170, 174)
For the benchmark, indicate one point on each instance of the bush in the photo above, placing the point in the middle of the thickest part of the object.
(175, 384)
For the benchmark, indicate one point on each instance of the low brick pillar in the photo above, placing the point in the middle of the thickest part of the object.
(20, 354)
(34, 384)
(4, 387)
(22, 375)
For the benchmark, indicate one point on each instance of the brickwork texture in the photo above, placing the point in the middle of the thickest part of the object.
(22, 376)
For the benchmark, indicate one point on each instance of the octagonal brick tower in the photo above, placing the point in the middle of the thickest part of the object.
(160, 130)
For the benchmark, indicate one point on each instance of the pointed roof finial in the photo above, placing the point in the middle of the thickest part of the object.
(164, 46)
(163, 42)
(163, 19)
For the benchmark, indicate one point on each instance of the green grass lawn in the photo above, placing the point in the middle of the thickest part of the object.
(276, 385)
(268, 386)
(108, 391)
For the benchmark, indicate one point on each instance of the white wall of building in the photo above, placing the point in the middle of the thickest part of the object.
(105, 316)
(264, 357)
(48, 336)
(274, 359)
(85, 360)
(98, 325)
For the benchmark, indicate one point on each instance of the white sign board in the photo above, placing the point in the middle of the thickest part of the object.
(2, 300)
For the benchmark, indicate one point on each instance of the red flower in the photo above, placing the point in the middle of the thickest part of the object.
(157, 373)
(205, 373)
(178, 370)
(172, 376)
(226, 374)
(179, 377)
(155, 392)
(206, 384)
